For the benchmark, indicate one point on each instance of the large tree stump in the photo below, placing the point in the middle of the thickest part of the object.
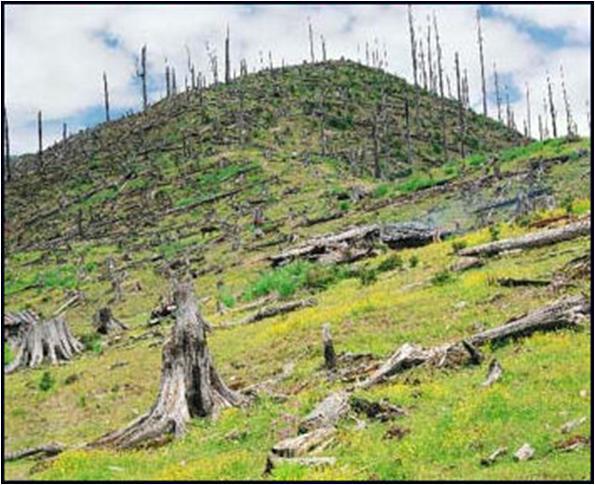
(48, 340)
(105, 323)
(190, 384)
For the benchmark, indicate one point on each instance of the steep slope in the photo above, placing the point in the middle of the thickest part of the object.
(155, 164)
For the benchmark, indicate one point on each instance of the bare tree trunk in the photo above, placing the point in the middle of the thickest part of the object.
(430, 60)
(482, 64)
(413, 44)
(461, 108)
(64, 132)
(190, 385)
(540, 123)
(330, 358)
(167, 82)
(441, 87)
(552, 106)
(323, 47)
(570, 131)
(408, 129)
(498, 98)
(528, 111)
(174, 87)
(40, 141)
(142, 74)
(227, 60)
(106, 96)
(6, 152)
(311, 39)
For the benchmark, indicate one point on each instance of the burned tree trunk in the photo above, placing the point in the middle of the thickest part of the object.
(142, 74)
(482, 64)
(550, 94)
(6, 151)
(528, 99)
(498, 98)
(533, 240)
(227, 61)
(408, 129)
(461, 107)
(190, 384)
(330, 358)
(413, 44)
(39, 141)
(49, 340)
(311, 39)
(106, 96)
(105, 322)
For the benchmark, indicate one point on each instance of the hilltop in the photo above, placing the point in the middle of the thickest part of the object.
(222, 179)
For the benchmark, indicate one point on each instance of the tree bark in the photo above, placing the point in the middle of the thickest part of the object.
(190, 384)
(49, 340)
(533, 240)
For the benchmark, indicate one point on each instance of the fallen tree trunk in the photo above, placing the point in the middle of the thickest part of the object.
(567, 312)
(515, 282)
(50, 449)
(190, 384)
(48, 340)
(272, 311)
(533, 240)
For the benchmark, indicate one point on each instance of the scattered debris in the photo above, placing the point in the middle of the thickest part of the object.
(570, 425)
(50, 449)
(105, 323)
(396, 433)
(272, 311)
(572, 444)
(490, 460)
(327, 413)
(379, 410)
(524, 453)
(494, 373)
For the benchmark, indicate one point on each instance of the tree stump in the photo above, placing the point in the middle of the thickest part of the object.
(330, 358)
(105, 323)
(49, 340)
(190, 384)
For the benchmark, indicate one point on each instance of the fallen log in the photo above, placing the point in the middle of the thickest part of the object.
(303, 443)
(409, 234)
(533, 240)
(515, 282)
(51, 449)
(564, 313)
(327, 413)
(466, 262)
(272, 311)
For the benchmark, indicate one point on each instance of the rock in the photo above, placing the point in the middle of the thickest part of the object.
(570, 425)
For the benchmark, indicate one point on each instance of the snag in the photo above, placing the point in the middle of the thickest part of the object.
(104, 322)
(190, 384)
(494, 373)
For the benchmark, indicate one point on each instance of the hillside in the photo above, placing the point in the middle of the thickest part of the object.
(220, 180)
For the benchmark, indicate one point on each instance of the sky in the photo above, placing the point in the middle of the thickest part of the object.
(55, 55)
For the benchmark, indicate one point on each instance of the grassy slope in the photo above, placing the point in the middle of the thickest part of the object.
(452, 422)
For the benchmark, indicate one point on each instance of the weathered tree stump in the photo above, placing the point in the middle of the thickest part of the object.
(105, 323)
(190, 384)
(330, 358)
(48, 340)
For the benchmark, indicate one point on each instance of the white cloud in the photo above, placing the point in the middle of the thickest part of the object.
(55, 54)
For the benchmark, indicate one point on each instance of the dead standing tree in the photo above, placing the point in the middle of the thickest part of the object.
(227, 61)
(106, 96)
(550, 93)
(570, 127)
(482, 64)
(142, 74)
(6, 145)
(498, 98)
(190, 385)
(40, 141)
(311, 40)
(461, 107)
(441, 87)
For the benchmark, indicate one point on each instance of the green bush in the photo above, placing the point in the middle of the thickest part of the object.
(394, 261)
(494, 232)
(414, 260)
(458, 246)
(380, 191)
(367, 276)
(442, 277)
(92, 342)
(227, 299)
(344, 206)
(416, 183)
(568, 204)
(285, 280)
(46, 382)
